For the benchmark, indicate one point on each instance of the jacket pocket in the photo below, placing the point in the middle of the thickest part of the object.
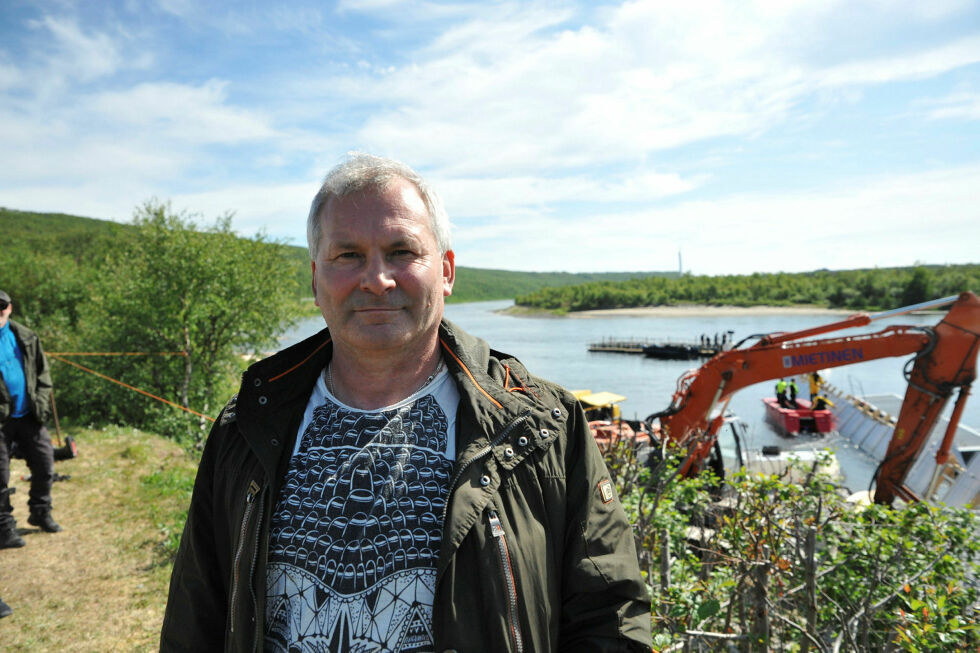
(251, 504)
(510, 582)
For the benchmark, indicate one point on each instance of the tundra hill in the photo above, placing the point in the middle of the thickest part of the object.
(86, 239)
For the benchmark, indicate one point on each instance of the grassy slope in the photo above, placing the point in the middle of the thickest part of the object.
(85, 238)
(101, 584)
(25, 224)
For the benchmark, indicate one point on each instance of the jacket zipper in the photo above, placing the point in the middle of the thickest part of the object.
(251, 576)
(253, 490)
(482, 453)
(510, 584)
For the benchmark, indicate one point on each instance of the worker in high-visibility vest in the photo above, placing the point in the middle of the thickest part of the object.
(781, 393)
(793, 391)
(822, 403)
(815, 382)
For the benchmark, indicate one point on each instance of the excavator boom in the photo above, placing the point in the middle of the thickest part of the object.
(949, 365)
(945, 359)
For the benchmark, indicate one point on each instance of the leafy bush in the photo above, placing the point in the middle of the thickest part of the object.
(795, 566)
(165, 283)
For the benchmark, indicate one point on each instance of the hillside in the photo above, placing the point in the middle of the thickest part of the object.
(86, 238)
(82, 238)
(477, 284)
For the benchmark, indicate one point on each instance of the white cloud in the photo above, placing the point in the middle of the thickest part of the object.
(410, 11)
(915, 65)
(77, 54)
(10, 76)
(279, 210)
(146, 136)
(368, 5)
(961, 105)
(469, 197)
(195, 114)
(248, 20)
(179, 8)
(512, 89)
(874, 222)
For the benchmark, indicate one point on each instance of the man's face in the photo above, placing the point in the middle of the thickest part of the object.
(5, 314)
(378, 277)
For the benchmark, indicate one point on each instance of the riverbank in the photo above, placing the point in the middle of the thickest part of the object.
(680, 310)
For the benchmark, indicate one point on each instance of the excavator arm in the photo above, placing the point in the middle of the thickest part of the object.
(945, 359)
(949, 365)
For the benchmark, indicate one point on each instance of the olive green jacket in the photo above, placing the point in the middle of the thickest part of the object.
(537, 554)
(37, 376)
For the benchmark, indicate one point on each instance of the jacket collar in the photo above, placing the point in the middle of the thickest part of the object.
(469, 358)
(275, 391)
(291, 373)
(274, 394)
(21, 332)
(495, 390)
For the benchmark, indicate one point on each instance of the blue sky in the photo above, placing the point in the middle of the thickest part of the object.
(752, 136)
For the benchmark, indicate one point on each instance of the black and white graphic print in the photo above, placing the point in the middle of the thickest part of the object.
(356, 534)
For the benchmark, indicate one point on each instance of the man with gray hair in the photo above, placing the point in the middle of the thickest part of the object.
(393, 483)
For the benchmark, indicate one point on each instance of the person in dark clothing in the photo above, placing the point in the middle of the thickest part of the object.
(393, 483)
(5, 610)
(25, 398)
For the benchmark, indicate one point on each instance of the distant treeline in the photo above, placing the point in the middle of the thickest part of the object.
(869, 289)
(478, 284)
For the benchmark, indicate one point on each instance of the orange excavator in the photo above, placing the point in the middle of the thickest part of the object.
(944, 361)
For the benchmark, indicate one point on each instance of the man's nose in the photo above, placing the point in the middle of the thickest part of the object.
(377, 277)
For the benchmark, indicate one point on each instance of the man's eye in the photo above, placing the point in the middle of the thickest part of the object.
(348, 255)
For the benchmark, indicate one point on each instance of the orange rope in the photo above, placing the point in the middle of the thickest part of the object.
(117, 353)
(302, 362)
(126, 385)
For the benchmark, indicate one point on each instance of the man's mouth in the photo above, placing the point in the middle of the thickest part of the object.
(382, 313)
(371, 309)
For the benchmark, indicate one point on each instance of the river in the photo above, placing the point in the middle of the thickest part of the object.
(557, 349)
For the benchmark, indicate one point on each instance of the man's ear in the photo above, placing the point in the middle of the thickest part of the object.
(448, 272)
(313, 282)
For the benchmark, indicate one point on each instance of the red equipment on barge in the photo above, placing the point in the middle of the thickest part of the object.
(802, 419)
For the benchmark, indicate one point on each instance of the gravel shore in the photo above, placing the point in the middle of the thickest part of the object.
(699, 310)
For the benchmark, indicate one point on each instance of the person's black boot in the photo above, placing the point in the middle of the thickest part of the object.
(5, 610)
(9, 539)
(42, 519)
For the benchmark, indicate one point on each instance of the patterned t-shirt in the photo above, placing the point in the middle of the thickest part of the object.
(357, 528)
